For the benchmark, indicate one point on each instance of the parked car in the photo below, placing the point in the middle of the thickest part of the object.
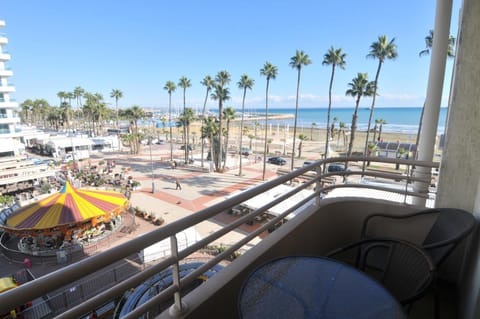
(36, 161)
(337, 167)
(307, 163)
(49, 162)
(246, 151)
(182, 147)
(277, 160)
(161, 142)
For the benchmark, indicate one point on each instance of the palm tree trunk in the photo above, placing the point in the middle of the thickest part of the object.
(212, 149)
(354, 127)
(418, 132)
(241, 133)
(219, 155)
(170, 124)
(328, 114)
(201, 127)
(295, 123)
(372, 108)
(226, 145)
(266, 124)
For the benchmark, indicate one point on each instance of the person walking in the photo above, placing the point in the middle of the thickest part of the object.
(177, 183)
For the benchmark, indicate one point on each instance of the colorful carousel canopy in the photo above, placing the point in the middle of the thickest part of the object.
(68, 207)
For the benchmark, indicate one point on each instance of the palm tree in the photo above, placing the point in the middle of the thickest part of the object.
(78, 93)
(222, 94)
(185, 120)
(375, 128)
(311, 130)
(229, 114)
(135, 113)
(170, 87)
(302, 138)
(244, 84)
(381, 122)
(334, 57)
(65, 114)
(297, 61)
(270, 71)
(207, 82)
(27, 107)
(116, 94)
(269, 142)
(62, 95)
(429, 43)
(184, 83)
(381, 50)
(210, 131)
(41, 108)
(332, 129)
(256, 126)
(358, 87)
(251, 137)
(342, 127)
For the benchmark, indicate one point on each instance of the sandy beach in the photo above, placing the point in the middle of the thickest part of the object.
(281, 140)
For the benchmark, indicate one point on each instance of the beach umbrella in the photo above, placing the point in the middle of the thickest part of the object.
(66, 208)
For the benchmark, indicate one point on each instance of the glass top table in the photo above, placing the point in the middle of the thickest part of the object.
(314, 287)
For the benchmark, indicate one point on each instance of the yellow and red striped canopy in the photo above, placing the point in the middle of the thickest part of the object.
(67, 207)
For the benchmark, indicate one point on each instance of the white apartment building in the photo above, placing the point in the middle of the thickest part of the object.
(16, 173)
(10, 144)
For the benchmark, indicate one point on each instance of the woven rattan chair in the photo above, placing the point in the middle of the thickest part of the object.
(405, 269)
(449, 228)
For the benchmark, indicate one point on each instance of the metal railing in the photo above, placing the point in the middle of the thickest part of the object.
(44, 285)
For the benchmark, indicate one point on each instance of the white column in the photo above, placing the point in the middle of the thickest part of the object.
(426, 145)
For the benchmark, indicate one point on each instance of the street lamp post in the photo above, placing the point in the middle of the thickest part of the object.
(151, 162)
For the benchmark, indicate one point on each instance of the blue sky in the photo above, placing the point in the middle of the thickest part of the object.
(136, 46)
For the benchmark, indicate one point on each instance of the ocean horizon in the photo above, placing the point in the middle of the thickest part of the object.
(403, 120)
(398, 119)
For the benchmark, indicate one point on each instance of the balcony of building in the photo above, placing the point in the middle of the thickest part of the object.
(3, 39)
(8, 104)
(5, 57)
(6, 72)
(312, 226)
(9, 118)
(7, 88)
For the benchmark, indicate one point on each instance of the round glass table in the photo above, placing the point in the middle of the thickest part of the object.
(314, 287)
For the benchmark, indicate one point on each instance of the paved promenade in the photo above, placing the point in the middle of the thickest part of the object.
(199, 189)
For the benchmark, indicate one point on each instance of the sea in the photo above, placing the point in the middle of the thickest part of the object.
(398, 119)
(403, 120)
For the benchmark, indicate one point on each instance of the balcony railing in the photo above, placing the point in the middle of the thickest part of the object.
(4, 100)
(311, 176)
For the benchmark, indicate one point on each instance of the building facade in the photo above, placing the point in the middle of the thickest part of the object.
(9, 120)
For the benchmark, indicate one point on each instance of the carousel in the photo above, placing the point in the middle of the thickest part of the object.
(70, 217)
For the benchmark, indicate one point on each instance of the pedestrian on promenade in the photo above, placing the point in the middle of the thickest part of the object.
(177, 183)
